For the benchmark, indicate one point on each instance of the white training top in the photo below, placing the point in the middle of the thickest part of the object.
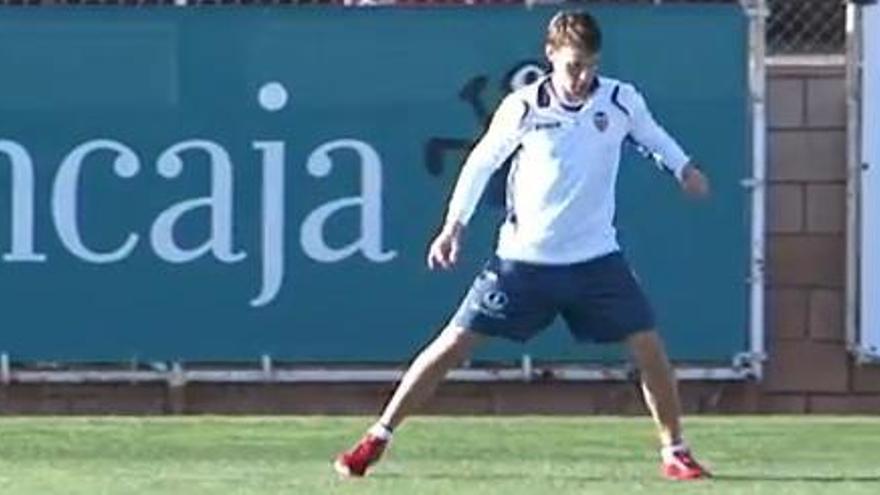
(560, 191)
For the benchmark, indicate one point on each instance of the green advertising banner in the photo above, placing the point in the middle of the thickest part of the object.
(216, 184)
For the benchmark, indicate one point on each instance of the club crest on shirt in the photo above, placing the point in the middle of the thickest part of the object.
(600, 120)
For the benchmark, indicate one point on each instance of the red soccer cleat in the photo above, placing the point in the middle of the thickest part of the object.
(680, 465)
(354, 463)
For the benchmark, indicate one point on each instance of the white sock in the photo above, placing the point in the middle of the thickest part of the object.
(667, 452)
(380, 431)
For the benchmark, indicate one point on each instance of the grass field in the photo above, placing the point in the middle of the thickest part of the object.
(432, 455)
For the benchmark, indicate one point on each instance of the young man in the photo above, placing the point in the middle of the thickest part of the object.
(557, 252)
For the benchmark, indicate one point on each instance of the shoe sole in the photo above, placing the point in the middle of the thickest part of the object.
(344, 471)
(701, 476)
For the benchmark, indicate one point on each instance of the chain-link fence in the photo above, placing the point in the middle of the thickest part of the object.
(793, 26)
(806, 26)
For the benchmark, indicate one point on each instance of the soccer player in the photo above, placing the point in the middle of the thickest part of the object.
(557, 252)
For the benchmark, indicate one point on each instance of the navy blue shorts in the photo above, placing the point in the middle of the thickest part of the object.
(600, 300)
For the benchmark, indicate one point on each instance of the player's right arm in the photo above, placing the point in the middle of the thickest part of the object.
(500, 140)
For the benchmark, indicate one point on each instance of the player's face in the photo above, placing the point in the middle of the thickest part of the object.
(573, 70)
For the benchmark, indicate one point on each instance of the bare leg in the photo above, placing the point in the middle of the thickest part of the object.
(658, 384)
(418, 383)
(428, 369)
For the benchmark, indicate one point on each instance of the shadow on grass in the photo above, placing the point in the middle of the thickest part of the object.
(599, 478)
(498, 476)
(806, 478)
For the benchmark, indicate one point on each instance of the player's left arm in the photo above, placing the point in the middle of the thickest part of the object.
(669, 155)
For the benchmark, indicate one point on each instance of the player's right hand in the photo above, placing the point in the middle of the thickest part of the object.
(443, 252)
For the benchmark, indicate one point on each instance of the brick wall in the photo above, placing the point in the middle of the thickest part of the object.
(806, 249)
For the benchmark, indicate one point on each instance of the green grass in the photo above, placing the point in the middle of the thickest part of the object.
(432, 455)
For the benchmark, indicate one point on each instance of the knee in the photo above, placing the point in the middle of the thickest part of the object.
(645, 341)
(646, 348)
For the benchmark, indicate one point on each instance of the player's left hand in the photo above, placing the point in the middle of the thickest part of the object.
(694, 183)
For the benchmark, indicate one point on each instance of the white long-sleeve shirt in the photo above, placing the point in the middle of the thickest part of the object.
(560, 196)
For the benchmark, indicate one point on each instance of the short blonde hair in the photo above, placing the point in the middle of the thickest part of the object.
(576, 29)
